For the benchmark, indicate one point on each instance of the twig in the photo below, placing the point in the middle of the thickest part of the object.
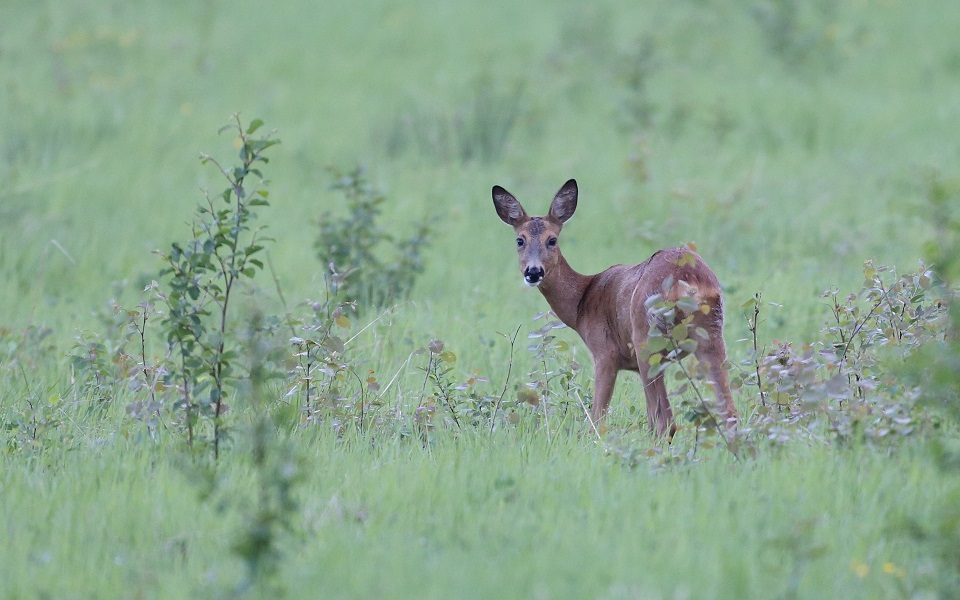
(506, 381)
(753, 326)
(276, 284)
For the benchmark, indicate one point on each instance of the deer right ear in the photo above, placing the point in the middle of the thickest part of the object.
(564, 203)
(508, 207)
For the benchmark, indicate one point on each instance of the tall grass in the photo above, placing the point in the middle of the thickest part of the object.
(511, 515)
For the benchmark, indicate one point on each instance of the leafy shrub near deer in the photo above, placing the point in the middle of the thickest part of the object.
(354, 245)
(848, 383)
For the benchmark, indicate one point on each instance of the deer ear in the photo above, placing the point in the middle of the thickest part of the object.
(564, 203)
(508, 207)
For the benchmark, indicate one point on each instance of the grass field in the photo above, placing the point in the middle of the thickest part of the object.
(789, 141)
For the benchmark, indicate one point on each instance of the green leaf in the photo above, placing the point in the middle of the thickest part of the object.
(334, 344)
(666, 284)
(679, 332)
(686, 259)
(657, 343)
(687, 304)
(254, 125)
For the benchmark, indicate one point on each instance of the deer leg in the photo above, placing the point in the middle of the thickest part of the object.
(604, 378)
(670, 428)
(659, 413)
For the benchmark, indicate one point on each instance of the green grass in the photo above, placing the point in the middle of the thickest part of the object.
(510, 515)
(786, 170)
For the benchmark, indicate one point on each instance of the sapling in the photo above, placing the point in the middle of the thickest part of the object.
(201, 276)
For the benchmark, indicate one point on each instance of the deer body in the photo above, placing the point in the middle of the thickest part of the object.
(609, 310)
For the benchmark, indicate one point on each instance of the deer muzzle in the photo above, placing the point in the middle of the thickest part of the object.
(533, 276)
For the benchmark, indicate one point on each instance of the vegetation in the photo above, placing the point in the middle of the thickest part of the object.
(389, 432)
(352, 245)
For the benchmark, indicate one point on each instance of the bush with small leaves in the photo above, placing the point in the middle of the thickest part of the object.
(467, 403)
(554, 389)
(327, 386)
(847, 382)
(354, 245)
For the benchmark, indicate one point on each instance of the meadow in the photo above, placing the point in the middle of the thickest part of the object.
(789, 142)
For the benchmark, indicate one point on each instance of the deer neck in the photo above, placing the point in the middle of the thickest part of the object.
(564, 290)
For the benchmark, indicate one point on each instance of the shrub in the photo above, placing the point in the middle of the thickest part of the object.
(351, 246)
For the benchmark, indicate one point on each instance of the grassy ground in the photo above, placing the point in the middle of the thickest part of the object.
(790, 147)
(509, 515)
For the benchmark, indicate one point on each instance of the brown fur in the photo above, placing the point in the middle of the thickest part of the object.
(608, 310)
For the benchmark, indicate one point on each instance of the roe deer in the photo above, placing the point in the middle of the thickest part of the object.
(610, 310)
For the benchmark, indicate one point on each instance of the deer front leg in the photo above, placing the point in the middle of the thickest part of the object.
(659, 413)
(604, 378)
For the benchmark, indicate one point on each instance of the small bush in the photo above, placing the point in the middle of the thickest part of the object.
(323, 380)
(637, 69)
(351, 246)
(800, 32)
(845, 385)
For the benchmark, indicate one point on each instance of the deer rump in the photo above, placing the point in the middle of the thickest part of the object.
(656, 296)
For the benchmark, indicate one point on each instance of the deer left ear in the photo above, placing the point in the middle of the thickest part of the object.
(564, 203)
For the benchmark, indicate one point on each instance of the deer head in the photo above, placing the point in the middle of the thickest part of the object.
(537, 236)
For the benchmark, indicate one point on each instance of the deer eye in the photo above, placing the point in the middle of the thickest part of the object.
(552, 242)
(520, 242)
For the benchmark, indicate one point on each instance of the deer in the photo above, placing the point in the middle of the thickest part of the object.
(615, 311)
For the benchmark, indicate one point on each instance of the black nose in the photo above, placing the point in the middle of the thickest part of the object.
(533, 274)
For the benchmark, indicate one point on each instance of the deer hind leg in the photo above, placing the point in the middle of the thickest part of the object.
(713, 353)
(659, 413)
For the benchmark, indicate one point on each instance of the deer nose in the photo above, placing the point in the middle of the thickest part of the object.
(533, 275)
